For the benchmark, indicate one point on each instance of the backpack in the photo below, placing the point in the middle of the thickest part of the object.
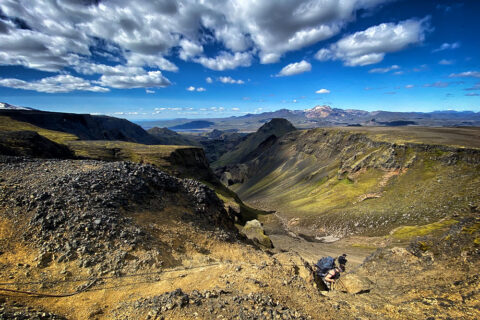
(324, 265)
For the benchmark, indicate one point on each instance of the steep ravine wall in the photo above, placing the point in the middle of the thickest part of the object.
(333, 181)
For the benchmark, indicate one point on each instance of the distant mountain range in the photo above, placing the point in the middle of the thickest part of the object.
(325, 116)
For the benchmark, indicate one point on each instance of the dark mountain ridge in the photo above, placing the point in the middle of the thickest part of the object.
(271, 130)
(84, 126)
(169, 137)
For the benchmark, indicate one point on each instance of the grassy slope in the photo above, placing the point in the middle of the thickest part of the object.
(8, 124)
(120, 150)
(335, 181)
(457, 137)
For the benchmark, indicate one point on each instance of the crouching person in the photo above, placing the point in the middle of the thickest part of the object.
(331, 277)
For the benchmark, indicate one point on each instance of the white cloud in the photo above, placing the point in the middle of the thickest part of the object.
(370, 46)
(39, 51)
(151, 79)
(199, 89)
(447, 46)
(322, 91)
(295, 68)
(474, 74)
(409, 86)
(93, 68)
(149, 91)
(226, 60)
(294, 25)
(56, 84)
(189, 49)
(446, 62)
(147, 33)
(384, 70)
(235, 109)
(209, 80)
(230, 80)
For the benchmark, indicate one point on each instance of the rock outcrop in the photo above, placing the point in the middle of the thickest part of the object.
(253, 230)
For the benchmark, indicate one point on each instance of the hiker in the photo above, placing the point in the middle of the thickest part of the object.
(327, 271)
(342, 261)
(331, 277)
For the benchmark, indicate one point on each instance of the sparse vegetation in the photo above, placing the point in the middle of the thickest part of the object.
(8, 124)
(409, 232)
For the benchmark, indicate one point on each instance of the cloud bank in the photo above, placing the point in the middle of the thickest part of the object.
(371, 45)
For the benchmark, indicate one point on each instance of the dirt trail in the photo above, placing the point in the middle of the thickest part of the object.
(311, 251)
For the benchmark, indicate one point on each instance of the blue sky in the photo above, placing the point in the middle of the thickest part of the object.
(192, 59)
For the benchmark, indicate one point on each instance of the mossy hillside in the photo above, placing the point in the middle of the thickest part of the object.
(409, 232)
(120, 150)
(342, 182)
(8, 124)
(461, 137)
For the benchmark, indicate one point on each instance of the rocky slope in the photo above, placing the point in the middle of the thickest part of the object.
(77, 211)
(341, 182)
(127, 241)
(436, 277)
(119, 240)
(82, 229)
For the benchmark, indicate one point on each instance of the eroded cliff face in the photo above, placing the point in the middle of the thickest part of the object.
(191, 162)
(338, 182)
